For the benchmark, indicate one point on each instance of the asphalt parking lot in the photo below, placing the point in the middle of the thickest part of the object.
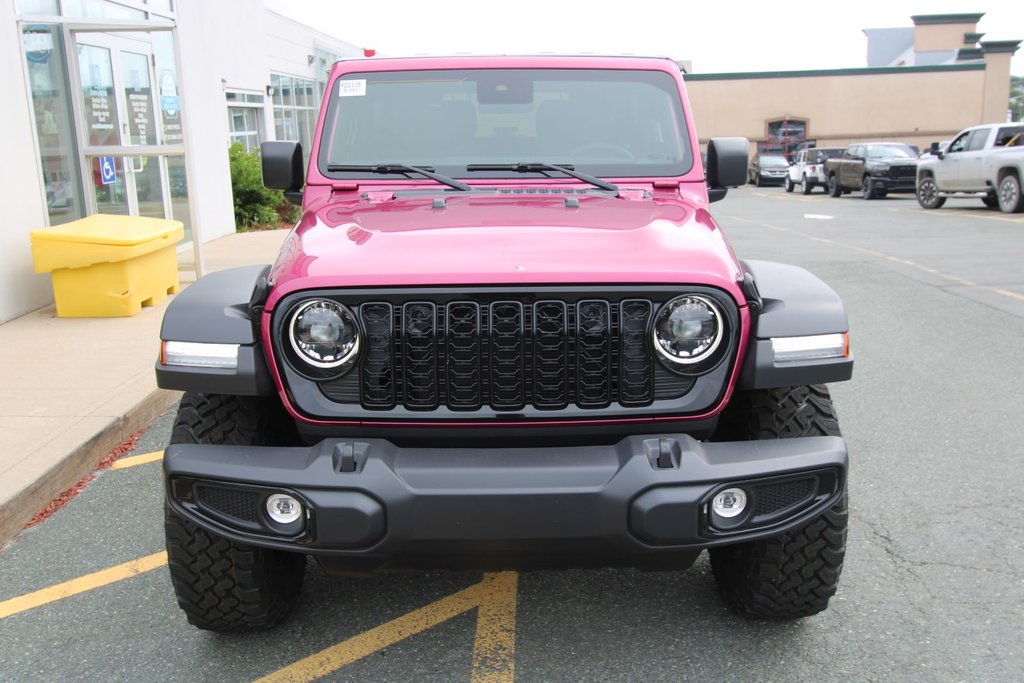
(932, 589)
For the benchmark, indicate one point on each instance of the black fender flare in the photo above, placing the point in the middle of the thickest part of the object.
(794, 303)
(216, 309)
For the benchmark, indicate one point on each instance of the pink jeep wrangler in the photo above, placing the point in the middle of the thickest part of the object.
(506, 333)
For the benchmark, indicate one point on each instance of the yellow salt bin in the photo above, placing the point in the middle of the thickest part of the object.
(107, 266)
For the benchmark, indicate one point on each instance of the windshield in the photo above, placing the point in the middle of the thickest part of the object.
(602, 122)
(774, 161)
(891, 151)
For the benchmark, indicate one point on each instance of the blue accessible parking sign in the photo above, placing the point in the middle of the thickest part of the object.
(108, 172)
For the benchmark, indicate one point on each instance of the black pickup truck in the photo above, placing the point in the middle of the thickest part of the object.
(875, 168)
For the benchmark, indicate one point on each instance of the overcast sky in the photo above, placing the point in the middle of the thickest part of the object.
(716, 36)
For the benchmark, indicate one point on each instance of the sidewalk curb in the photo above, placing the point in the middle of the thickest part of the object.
(69, 469)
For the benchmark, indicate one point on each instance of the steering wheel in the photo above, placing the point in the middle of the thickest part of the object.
(617, 151)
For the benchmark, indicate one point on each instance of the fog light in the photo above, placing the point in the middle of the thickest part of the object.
(729, 503)
(284, 509)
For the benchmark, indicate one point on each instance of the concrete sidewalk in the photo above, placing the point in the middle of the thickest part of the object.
(72, 389)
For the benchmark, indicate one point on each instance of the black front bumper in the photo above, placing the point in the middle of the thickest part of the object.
(370, 503)
(887, 184)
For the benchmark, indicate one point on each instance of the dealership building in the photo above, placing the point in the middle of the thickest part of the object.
(128, 107)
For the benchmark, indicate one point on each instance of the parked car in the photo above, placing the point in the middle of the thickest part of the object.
(767, 169)
(808, 168)
(876, 168)
(465, 358)
(986, 162)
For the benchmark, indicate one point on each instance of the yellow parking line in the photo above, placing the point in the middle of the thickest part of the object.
(82, 584)
(125, 463)
(494, 650)
(355, 648)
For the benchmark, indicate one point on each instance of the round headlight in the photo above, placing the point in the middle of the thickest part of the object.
(688, 329)
(324, 333)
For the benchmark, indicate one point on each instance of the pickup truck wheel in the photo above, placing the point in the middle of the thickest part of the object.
(1010, 198)
(222, 585)
(788, 184)
(805, 187)
(795, 574)
(833, 186)
(928, 194)
(866, 189)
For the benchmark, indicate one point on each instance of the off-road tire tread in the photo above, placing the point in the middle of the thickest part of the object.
(795, 574)
(222, 585)
(226, 586)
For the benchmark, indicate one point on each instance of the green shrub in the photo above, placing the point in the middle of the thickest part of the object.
(255, 206)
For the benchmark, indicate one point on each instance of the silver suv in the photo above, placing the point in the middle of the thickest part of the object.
(808, 168)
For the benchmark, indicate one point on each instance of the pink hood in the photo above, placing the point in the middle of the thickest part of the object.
(374, 240)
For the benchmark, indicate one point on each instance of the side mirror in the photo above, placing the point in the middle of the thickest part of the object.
(727, 165)
(282, 167)
(936, 149)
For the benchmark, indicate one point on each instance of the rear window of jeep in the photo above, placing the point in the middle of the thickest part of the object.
(625, 123)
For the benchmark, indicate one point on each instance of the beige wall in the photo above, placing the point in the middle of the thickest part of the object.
(916, 107)
(997, 86)
(934, 37)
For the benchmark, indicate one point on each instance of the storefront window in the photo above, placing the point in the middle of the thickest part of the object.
(101, 9)
(44, 55)
(41, 7)
(784, 137)
(244, 123)
(295, 109)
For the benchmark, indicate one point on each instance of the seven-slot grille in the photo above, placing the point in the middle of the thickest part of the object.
(506, 354)
(903, 171)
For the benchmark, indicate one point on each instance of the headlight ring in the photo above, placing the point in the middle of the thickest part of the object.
(688, 331)
(324, 335)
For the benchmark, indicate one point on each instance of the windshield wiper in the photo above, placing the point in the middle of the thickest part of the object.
(540, 167)
(426, 171)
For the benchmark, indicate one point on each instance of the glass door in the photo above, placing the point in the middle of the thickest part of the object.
(118, 103)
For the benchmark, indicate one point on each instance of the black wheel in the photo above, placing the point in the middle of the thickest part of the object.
(222, 585)
(805, 186)
(867, 191)
(833, 186)
(795, 574)
(928, 194)
(991, 201)
(788, 184)
(1010, 198)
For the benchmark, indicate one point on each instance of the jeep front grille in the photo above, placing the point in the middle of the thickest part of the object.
(506, 354)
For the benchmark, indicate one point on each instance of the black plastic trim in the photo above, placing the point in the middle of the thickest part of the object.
(395, 498)
(217, 309)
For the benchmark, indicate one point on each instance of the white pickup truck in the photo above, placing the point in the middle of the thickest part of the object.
(982, 161)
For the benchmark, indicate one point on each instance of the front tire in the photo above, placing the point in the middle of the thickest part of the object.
(1010, 198)
(795, 574)
(222, 585)
(928, 194)
(866, 189)
(833, 186)
(788, 184)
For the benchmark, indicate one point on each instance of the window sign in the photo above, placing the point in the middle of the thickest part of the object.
(98, 91)
(139, 98)
(108, 172)
(38, 44)
(167, 89)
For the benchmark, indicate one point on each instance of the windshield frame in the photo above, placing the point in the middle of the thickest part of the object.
(909, 152)
(665, 80)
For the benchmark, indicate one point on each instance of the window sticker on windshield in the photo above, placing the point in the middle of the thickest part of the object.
(356, 88)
